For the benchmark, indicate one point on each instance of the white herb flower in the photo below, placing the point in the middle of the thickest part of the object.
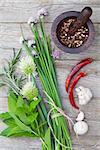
(29, 91)
(34, 53)
(32, 20)
(31, 43)
(42, 12)
(21, 40)
(27, 65)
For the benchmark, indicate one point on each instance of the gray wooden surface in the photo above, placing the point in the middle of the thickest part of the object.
(16, 12)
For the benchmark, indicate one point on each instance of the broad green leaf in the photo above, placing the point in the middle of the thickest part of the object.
(10, 131)
(10, 122)
(27, 108)
(14, 131)
(20, 101)
(33, 104)
(20, 124)
(24, 134)
(32, 117)
(5, 132)
(48, 139)
(12, 102)
(5, 115)
(33, 126)
(20, 112)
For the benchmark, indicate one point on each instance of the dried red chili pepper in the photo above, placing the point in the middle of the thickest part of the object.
(75, 69)
(72, 86)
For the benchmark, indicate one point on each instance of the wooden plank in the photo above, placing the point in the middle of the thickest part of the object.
(15, 11)
(10, 34)
(29, 144)
(42, 2)
(19, 143)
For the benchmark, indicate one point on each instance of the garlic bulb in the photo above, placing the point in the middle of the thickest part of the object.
(84, 95)
(80, 116)
(80, 127)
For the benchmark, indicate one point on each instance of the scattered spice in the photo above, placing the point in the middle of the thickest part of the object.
(72, 41)
(74, 82)
(75, 69)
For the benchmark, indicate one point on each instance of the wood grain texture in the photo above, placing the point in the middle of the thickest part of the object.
(16, 12)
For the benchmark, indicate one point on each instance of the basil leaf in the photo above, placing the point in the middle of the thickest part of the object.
(5, 115)
(20, 112)
(10, 122)
(26, 108)
(20, 124)
(5, 132)
(32, 117)
(14, 131)
(23, 134)
(20, 101)
(12, 102)
(33, 104)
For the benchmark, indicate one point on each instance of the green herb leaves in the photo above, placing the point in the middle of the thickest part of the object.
(18, 119)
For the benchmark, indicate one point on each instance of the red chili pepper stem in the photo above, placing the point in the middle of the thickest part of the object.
(72, 86)
(75, 69)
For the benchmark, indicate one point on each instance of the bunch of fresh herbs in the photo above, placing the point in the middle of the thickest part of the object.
(26, 117)
(47, 73)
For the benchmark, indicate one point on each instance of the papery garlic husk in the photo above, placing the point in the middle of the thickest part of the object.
(81, 127)
(84, 95)
(80, 116)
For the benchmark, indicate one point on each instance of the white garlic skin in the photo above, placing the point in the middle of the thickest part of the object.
(84, 95)
(80, 127)
(80, 116)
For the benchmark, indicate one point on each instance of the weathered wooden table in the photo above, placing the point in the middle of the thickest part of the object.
(16, 12)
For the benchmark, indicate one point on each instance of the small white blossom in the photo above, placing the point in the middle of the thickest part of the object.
(42, 12)
(34, 53)
(21, 40)
(32, 20)
(29, 91)
(27, 65)
(31, 43)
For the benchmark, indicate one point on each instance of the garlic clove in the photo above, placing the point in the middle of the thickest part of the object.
(80, 127)
(80, 116)
(84, 95)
